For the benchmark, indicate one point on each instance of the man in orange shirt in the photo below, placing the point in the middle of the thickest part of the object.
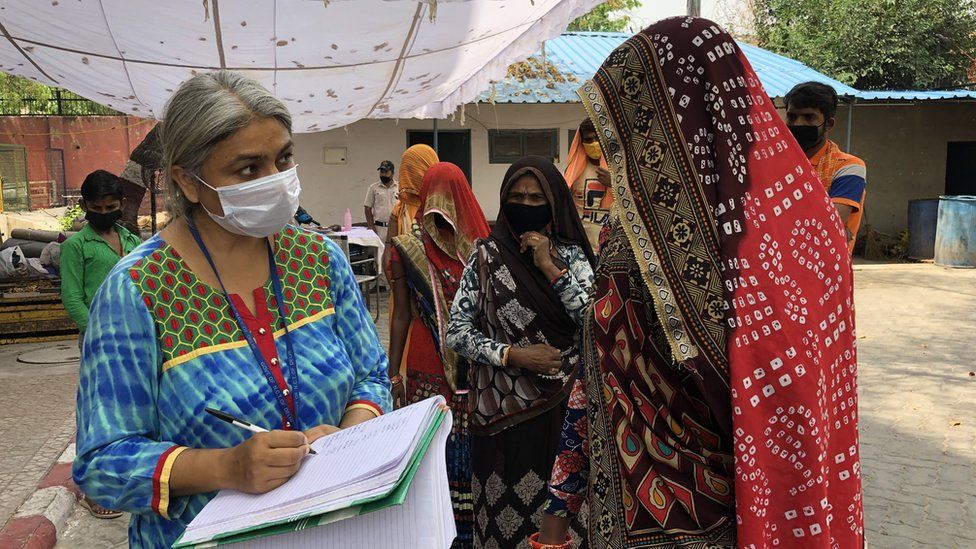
(811, 109)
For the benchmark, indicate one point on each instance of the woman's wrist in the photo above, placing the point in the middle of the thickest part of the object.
(355, 417)
(506, 355)
(554, 533)
(221, 466)
(560, 274)
(551, 271)
(228, 468)
(535, 543)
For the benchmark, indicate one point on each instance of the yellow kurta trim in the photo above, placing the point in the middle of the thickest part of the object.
(164, 481)
(307, 320)
(172, 363)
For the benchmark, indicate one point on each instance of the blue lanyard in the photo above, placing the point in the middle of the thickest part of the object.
(290, 421)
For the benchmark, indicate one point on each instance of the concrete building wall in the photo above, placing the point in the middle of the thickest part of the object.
(904, 146)
(327, 190)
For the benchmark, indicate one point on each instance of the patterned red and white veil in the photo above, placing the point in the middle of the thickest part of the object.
(746, 260)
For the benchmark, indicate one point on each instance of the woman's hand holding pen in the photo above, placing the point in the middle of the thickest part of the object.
(265, 461)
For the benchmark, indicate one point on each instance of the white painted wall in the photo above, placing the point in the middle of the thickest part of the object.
(903, 145)
(327, 190)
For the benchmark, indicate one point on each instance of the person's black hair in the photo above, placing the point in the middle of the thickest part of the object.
(813, 95)
(101, 184)
(587, 125)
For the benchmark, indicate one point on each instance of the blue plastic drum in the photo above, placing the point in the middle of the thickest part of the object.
(955, 235)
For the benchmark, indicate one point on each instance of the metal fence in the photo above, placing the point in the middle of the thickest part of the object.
(59, 102)
(13, 178)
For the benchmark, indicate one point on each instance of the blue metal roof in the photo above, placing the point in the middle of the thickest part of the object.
(578, 55)
(914, 95)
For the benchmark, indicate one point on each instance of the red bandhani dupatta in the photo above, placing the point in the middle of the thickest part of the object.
(446, 193)
(745, 258)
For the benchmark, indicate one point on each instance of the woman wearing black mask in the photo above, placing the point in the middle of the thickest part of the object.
(516, 317)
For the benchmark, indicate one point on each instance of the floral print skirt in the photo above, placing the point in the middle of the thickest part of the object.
(510, 471)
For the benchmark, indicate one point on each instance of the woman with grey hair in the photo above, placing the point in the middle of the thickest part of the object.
(231, 308)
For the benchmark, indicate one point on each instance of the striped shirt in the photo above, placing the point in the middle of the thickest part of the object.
(845, 178)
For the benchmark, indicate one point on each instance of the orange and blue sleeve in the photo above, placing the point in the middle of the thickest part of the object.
(848, 185)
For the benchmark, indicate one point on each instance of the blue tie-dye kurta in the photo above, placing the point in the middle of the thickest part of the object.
(161, 346)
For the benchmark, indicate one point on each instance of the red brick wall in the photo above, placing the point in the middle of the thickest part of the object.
(89, 143)
(40, 194)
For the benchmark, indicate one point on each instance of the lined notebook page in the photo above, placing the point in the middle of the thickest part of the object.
(425, 519)
(350, 464)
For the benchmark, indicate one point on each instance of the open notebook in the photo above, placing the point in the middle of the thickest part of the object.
(382, 483)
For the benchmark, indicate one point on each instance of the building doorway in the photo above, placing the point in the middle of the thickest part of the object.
(961, 168)
(454, 146)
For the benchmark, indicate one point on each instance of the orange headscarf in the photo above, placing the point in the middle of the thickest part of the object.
(413, 165)
(576, 166)
(577, 163)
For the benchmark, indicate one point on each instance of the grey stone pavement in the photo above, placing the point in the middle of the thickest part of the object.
(916, 328)
(36, 420)
(917, 348)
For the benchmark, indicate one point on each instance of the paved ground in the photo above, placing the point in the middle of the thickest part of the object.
(36, 421)
(916, 326)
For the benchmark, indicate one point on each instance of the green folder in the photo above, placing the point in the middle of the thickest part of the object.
(395, 496)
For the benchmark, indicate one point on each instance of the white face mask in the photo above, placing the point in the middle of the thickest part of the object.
(258, 208)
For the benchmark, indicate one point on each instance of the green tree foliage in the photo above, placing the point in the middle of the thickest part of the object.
(20, 96)
(607, 17)
(874, 44)
(67, 220)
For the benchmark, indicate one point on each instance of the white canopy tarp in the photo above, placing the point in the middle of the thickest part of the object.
(332, 62)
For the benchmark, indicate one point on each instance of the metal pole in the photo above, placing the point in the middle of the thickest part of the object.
(694, 8)
(436, 148)
(152, 195)
(850, 122)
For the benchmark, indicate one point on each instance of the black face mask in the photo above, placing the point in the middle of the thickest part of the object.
(807, 136)
(524, 218)
(386, 179)
(103, 221)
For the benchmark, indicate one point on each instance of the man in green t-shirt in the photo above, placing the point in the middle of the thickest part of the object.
(87, 258)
